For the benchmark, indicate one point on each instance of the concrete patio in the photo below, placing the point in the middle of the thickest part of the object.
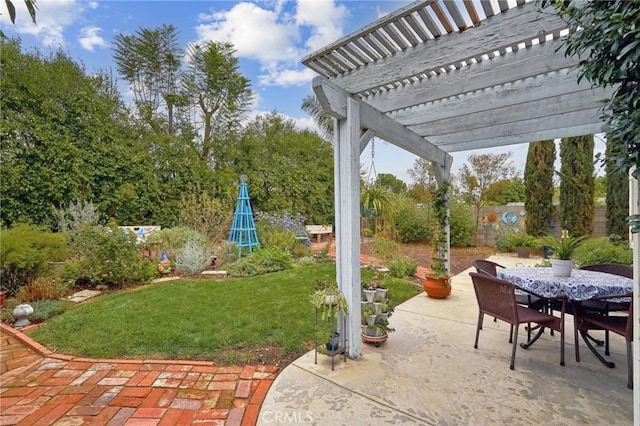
(429, 373)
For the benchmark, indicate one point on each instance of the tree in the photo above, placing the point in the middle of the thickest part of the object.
(324, 121)
(476, 178)
(538, 179)
(150, 62)
(617, 192)
(31, 8)
(605, 34)
(216, 90)
(391, 183)
(286, 169)
(506, 191)
(423, 174)
(576, 185)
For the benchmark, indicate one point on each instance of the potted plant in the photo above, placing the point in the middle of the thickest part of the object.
(436, 283)
(563, 249)
(523, 243)
(329, 301)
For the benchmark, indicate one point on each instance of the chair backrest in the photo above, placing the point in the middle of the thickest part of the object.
(487, 267)
(611, 268)
(495, 297)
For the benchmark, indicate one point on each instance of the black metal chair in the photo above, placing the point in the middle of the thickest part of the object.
(587, 319)
(605, 306)
(498, 298)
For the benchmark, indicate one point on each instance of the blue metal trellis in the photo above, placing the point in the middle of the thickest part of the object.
(243, 229)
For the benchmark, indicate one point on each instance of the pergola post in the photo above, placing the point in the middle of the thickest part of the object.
(634, 208)
(347, 205)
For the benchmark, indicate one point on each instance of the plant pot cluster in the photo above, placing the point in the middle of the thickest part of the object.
(376, 311)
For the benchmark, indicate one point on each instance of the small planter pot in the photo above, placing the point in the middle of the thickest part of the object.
(381, 293)
(523, 251)
(376, 307)
(334, 343)
(370, 295)
(371, 319)
(562, 268)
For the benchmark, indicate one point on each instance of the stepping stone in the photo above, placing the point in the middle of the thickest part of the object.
(83, 295)
(222, 273)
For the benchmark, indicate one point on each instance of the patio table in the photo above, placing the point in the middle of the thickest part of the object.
(580, 286)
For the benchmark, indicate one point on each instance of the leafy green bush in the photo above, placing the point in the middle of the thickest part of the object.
(602, 250)
(229, 253)
(403, 267)
(24, 252)
(508, 238)
(107, 256)
(461, 222)
(412, 223)
(261, 261)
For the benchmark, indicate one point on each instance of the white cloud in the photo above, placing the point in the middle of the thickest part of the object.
(90, 38)
(286, 77)
(256, 33)
(325, 18)
(264, 31)
(92, 5)
(52, 17)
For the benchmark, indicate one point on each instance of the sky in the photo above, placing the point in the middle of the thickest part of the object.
(270, 37)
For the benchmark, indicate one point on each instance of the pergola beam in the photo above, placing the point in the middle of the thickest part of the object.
(334, 102)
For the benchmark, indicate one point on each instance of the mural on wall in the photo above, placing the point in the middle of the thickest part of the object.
(141, 232)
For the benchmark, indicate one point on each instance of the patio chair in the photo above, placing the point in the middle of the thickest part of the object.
(491, 268)
(604, 307)
(587, 319)
(497, 298)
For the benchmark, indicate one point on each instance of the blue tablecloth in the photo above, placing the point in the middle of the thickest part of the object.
(581, 285)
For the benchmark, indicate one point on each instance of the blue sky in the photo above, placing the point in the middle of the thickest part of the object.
(270, 36)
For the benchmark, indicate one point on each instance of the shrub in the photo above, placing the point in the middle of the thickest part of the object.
(229, 253)
(508, 238)
(192, 257)
(108, 256)
(44, 310)
(412, 222)
(209, 216)
(261, 261)
(602, 250)
(284, 231)
(461, 222)
(174, 239)
(24, 252)
(384, 248)
(403, 267)
(42, 289)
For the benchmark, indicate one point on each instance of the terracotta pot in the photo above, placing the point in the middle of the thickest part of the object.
(437, 288)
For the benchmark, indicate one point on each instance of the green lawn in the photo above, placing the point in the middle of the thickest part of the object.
(222, 320)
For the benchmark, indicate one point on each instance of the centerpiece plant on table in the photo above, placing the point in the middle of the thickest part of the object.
(563, 250)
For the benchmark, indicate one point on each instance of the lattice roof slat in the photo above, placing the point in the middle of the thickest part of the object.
(429, 23)
(456, 15)
(442, 17)
(471, 10)
(487, 8)
(417, 28)
(406, 32)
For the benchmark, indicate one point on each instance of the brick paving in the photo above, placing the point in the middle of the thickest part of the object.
(38, 387)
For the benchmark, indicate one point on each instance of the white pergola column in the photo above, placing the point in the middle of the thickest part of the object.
(347, 204)
(634, 208)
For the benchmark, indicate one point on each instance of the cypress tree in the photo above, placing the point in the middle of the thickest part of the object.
(617, 191)
(538, 180)
(577, 185)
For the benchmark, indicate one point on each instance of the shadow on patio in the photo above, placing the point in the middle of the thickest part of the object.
(429, 373)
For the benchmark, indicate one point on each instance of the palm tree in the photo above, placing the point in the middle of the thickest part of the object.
(324, 121)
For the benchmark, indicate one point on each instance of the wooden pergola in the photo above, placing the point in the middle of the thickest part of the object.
(443, 76)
